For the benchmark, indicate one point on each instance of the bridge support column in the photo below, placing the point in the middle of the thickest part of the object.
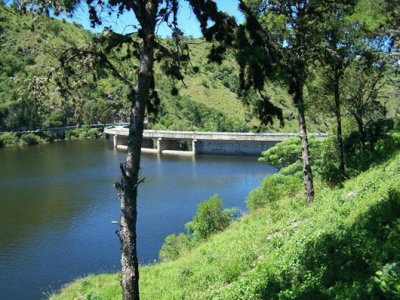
(194, 142)
(115, 140)
(159, 148)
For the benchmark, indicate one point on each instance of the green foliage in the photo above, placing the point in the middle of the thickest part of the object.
(283, 154)
(359, 159)
(30, 139)
(8, 139)
(174, 246)
(381, 142)
(288, 152)
(26, 139)
(273, 188)
(56, 119)
(93, 287)
(209, 219)
(387, 280)
(84, 132)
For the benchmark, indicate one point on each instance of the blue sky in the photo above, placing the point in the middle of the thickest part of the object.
(187, 19)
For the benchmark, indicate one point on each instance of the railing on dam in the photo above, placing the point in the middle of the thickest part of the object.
(189, 142)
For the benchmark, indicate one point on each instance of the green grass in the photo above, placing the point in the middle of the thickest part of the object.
(335, 249)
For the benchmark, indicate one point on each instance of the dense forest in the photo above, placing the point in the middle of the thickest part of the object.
(326, 226)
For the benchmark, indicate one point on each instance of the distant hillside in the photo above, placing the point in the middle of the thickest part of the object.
(30, 44)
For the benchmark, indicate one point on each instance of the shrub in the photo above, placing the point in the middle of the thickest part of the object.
(288, 152)
(273, 188)
(30, 139)
(8, 139)
(84, 132)
(47, 136)
(283, 154)
(173, 246)
(209, 219)
(386, 281)
(56, 119)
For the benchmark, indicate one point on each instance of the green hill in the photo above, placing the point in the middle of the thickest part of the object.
(344, 246)
(30, 45)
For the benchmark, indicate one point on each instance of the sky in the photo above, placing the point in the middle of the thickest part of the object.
(186, 18)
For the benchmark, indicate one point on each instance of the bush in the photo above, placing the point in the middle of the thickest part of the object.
(209, 219)
(173, 246)
(288, 152)
(31, 139)
(8, 139)
(47, 136)
(56, 119)
(273, 188)
(84, 132)
(386, 281)
(283, 154)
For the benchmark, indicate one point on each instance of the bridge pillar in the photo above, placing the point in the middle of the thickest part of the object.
(115, 140)
(194, 142)
(159, 149)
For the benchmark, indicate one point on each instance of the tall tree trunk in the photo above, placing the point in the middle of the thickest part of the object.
(129, 182)
(339, 126)
(305, 151)
(361, 130)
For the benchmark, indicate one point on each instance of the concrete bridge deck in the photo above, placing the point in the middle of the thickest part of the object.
(189, 142)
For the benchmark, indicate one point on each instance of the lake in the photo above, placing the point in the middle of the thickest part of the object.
(57, 202)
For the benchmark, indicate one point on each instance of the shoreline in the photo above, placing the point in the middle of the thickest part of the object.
(32, 138)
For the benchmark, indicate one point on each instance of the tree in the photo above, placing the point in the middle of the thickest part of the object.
(352, 29)
(335, 59)
(209, 219)
(283, 35)
(364, 79)
(139, 80)
(393, 10)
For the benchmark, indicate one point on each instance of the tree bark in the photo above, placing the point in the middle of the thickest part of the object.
(128, 184)
(361, 131)
(305, 151)
(339, 125)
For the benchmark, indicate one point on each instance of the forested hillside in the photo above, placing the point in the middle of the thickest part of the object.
(30, 46)
(207, 99)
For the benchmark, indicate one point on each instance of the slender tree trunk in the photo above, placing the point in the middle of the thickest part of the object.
(129, 182)
(305, 151)
(361, 131)
(339, 126)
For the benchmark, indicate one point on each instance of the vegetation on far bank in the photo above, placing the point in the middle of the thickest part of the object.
(11, 139)
(344, 246)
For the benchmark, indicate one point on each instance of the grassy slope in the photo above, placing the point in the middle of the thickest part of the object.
(285, 250)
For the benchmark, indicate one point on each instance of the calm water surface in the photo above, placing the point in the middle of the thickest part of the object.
(57, 202)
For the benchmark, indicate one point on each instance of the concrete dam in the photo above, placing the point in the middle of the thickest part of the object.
(192, 143)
